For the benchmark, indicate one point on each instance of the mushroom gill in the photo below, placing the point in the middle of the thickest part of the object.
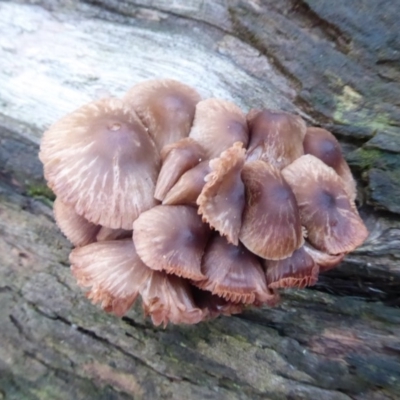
(238, 197)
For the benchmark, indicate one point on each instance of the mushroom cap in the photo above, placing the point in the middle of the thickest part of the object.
(113, 234)
(275, 137)
(114, 272)
(166, 107)
(77, 229)
(167, 298)
(171, 238)
(222, 200)
(298, 270)
(326, 211)
(322, 144)
(271, 225)
(95, 156)
(233, 272)
(217, 125)
(177, 158)
(325, 261)
(189, 185)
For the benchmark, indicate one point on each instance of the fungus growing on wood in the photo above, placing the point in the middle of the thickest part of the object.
(243, 213)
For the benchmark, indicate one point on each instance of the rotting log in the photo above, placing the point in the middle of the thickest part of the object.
(335, 63)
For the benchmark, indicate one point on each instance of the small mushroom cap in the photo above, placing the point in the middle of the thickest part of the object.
(167, 298)
(322, 144)
(113, 234)
(324, 260)
(171, 238)
(77, 229)
(166, 107)
(189, 185)
(114, 272)
(222, 199)
(177, 158)
(95, 156)
(275, 137)
(271, 225)
(217, 125)
(330, 217)
(298, 270)
(232, 272)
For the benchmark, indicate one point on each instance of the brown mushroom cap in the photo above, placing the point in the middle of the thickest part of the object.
(97, 155)
(275, 137)
(177, 158)
(222, 200)
(271, 225)
(167, 298)
(323, 145)
(77, 229)
(330, 217)
(298, 270)
(166, 107)
(232, 272)
(217, 125)
(325, 261)
(171, 238)
(114, 272)
(189, 185)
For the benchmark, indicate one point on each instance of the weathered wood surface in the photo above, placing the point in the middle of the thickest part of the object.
(336, 63)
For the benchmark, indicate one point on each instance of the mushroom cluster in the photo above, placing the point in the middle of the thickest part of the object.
(194, 206)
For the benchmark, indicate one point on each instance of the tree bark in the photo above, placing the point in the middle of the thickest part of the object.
(334, 63)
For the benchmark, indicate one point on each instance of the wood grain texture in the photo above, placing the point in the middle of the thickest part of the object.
(334, 65)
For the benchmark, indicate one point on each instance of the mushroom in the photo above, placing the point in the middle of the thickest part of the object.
(95, 156)
(298, 270)
(189, 185)
(171, 239)
(326, 211)
(325, 261)
(222, 200)
(234, 273)
(323, 145)
(114, 272)
(177, 158)
(167, 298)
(166, 107)
(77, 229)
(275, 137)
(217, 125)
(271, 225)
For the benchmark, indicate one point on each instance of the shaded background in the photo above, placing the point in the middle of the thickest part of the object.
(336, 63)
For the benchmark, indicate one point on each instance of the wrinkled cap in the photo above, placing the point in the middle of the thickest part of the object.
(77, 229)
(271, 225)
(325, 261)
(323, 145)
(330, 217)
(189, 185)
(97, 155)
(217, 125)
(166, 107)
(167, 298)
(222, 199)
(232, 272)
(177, 158)
(172, 239)
(275, 137)
(298, 270)
(113, 271)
